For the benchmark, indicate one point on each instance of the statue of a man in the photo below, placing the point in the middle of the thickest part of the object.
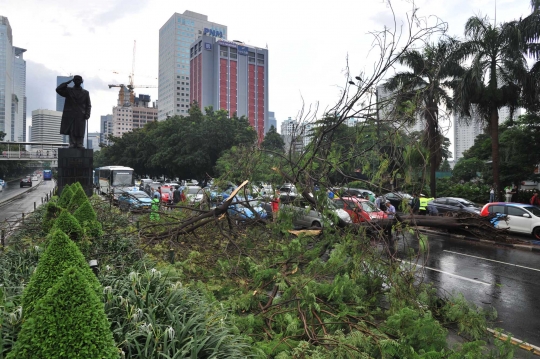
(76, 111)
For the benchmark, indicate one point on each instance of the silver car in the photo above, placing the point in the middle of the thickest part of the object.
(305, 215)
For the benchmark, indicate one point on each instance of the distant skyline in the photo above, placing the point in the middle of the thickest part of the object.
(310, 43)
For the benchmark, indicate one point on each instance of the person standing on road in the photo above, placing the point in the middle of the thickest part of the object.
(176, 195)
(154, 215)
(491, 194)
(415, 204)
(390, 210)
(514, 193)
(535, 199)
(275, 208)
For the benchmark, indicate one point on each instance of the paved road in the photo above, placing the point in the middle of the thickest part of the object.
(12, 210)
(491, 277)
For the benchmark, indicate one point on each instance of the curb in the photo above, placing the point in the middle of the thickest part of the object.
(526, 247)
(9, 200)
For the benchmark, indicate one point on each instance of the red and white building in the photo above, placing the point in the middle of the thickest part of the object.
(232, 76)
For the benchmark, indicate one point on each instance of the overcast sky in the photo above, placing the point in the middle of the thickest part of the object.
(308, 41)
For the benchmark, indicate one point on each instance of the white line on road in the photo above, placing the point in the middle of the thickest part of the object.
(492, 260)
(450, 274)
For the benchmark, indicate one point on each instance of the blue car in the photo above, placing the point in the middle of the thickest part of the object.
(134, 201)
(241, 212)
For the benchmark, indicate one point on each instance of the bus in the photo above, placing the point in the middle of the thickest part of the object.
(47, 175)
(113, 179)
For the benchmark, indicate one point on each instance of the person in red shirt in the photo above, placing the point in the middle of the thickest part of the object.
(535, 199)
(275, 208)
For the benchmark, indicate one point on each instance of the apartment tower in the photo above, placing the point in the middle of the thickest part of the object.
(175, 38)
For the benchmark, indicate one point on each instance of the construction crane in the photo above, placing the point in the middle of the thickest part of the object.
(126, 96)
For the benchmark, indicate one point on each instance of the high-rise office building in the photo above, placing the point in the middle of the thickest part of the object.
(129, 116)
(106, 129)
(175, 38)
(232, 76)
(93, 139)
(45, 125)
(271, 122)
(465, 132)
(12, 85)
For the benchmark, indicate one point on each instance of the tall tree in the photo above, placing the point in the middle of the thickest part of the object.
(273, 141)
(494, 78)
(431, 74)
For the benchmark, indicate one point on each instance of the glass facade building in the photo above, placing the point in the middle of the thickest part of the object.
(175, 38)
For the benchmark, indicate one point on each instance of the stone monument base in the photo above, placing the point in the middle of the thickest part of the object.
(75, 165)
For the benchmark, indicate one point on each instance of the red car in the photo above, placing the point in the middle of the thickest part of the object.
(360, 210)
(166, 194)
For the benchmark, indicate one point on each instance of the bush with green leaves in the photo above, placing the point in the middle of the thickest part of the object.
(78, 199)
(68, 224)
(61, 253)
(65, 196)
(68, 322)
(156, 317)
(52, 211)
(87, 217)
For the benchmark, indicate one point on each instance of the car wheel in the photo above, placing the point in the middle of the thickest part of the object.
(536, 233)
(316, 224)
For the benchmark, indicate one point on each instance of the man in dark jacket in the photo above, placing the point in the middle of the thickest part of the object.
(415, 204)
(176, 195)
(76, 111)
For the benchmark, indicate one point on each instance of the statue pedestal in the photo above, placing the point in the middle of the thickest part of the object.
(75, 165)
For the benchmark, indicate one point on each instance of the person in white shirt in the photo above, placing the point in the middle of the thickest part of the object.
(390, 210)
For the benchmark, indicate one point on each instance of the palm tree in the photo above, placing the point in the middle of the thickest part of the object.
(432, 73)
(493, 79)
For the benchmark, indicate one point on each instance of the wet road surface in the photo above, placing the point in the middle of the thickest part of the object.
(11, 210)
(505, 279)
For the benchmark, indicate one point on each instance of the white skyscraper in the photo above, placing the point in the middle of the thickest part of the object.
(12, 85)
(45, 125)
(175, 38)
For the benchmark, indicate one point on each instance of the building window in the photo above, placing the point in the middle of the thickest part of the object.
(223, 51)
(234, 53)
(251, 57)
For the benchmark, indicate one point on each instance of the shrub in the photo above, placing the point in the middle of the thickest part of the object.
(69, 225)
(65, 196)
(61, 253)
(78, 198)
(68, 322)
(52, 211)
(85, 213)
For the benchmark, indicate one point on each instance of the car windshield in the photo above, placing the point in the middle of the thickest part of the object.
(123, 178)
(369, 207)
(193, 190)
(533, 209)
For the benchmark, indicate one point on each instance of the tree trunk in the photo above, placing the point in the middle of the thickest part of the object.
(430, 116)
(494, 126)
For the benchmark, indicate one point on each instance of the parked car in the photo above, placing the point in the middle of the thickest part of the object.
(194, 194)
(26, 181)
(287, 189)
(144, 182)
(241, 212)
(359, 209)
(397, 199)
(522, 218)
(354, 192)
(134, 200)
(167, 193)
(454, 204)
(306, 215)
(151, 187)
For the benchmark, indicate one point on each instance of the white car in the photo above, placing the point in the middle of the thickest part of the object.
(34, 178)
(194, 194)
(305, 215)
(522, 218)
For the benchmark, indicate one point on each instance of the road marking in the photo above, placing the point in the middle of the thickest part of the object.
(448, 273)
(492, 260)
